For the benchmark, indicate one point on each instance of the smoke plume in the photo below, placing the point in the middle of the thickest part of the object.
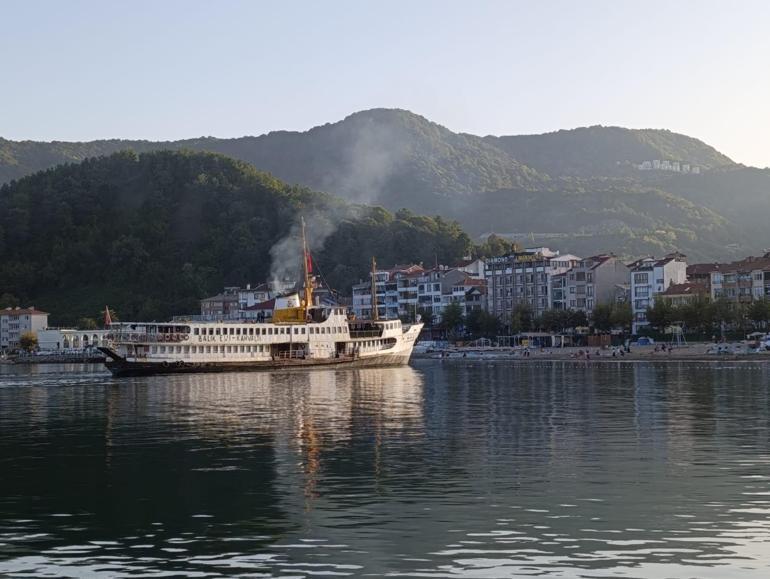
(370, 159)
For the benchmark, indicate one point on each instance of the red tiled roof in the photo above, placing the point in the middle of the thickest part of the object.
(473, 281)
(702, 268)
(747, 264)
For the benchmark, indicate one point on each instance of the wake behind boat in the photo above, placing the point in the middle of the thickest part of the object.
(301, 335)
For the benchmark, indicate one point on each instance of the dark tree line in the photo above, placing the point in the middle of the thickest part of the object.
(151, 234)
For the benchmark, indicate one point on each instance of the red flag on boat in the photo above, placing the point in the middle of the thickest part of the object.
(107, 318)
(309, 263)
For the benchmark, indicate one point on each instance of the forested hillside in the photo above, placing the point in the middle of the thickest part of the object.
(150, 234)
(579, 190)
(606, 151)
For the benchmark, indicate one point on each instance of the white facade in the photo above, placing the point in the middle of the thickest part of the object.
(650, 277)
(16, 321)
(406, 290)
(69, 340)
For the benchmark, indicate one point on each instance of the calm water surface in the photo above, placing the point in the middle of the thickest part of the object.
(443, 469)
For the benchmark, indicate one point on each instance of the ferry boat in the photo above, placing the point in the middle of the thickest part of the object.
(300, 335)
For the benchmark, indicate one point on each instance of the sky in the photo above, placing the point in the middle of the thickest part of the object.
(158, 70)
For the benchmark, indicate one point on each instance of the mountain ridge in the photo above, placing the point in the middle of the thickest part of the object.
(395, 158)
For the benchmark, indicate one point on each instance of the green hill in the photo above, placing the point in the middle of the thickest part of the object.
(370, 156)
(150, 234)
(578, 187)
(606, 151)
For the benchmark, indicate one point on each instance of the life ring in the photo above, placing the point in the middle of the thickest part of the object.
(180, 364)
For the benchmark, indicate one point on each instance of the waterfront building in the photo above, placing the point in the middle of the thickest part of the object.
(396, 291)
(525, 277)
(69, 340)
(742, 281)
(403, 291)
(470, 294)
(17, 321)
(435, 290)
(592, 281)
(650, 277)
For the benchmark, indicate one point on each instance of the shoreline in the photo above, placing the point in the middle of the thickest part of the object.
(697, 353)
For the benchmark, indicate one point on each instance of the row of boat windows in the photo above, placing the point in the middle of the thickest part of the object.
(207, 349)
(234, 349)
(283, 330)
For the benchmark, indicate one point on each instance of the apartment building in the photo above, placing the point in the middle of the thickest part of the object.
(742, 281)
(599, 279)
(17, 321)
(700, 273)
(650, 277)
(524, 277)
(396, 290)
(405, 291)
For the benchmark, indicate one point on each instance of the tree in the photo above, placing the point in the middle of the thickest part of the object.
(602, 317)
(8, 300)
(522, 318)
(28, 341)
(723, 312)
(622, 316)
(490, 325)
(495, 246)
(87, 324)
(473, 322)
(452, 318)
(759, 312)
(577, 319)
(550, 320)
(426, 316)
(660, 314)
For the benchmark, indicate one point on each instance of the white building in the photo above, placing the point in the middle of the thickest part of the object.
(405, 290)
(68, 340)
(16, 321)
(650, 277)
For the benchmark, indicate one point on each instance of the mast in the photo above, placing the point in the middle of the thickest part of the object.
(375, 312)
(306, 270)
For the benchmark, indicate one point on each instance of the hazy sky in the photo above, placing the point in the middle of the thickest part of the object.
(79, 70)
